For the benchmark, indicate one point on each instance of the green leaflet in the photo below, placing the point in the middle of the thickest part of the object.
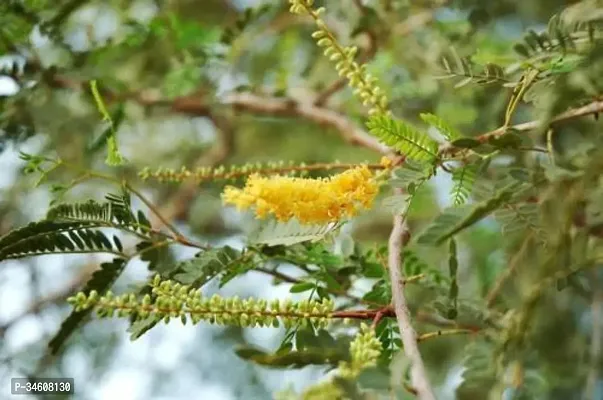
(101, 281)
(311, 348)
(206, 265)
(479, 373)
(455, 219)
(411, 142)
(69, 228)
(115, 213)
(160, 258)
(273, 233)
(442, 126)
(107, 214)
(518, 217)
(48, 237)
(140, 326)
(410, 174)
(114, 157)
(464, 68)
(292, 359)
(463, 179)
(443, 225)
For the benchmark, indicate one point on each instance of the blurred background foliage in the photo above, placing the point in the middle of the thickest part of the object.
(173, 72)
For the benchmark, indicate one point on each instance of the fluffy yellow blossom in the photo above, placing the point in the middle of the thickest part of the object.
(311, 201)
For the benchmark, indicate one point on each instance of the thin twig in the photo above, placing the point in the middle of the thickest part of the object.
(177, 235)
(198, 106)
(593, 108)
(322, 116)
(418, 373)
(380, 314)
(445, 332)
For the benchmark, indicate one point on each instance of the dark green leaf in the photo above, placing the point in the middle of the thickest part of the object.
(302, 287)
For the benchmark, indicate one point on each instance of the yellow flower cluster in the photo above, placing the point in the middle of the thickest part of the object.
(311, 201)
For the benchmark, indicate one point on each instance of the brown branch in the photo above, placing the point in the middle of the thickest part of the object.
(380, 314)
(418, 374)
(322, 116)
(438, 333)
(593, 108)
(197, 105)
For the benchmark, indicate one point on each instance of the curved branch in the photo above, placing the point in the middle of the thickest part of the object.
(322, 116)
(418, 374)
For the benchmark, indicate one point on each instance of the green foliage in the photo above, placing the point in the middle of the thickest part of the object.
(515, 218)
(442, 126)
(520, 145)
(100, 282)
(224, 262)
(114, 213)
(248, 16)
(463, 179)
(410, 175)
(311, 348)
(462, 67)
(402, 136)
(480, 373)
(291, 359)
(114, 157)
(454, 220)
(560, 38)
(275, 233)
(49, 237)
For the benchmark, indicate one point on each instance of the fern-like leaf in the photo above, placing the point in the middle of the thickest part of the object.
(462, 67)
(564, 34)
(455, 219)
(411, 142)
(101, 281)
(274, 233)
(479, 367)
(115, 213)
(443, 224)
(442, 126)
(516, 218)
(49, 237)
(463, 179)
(207, 265)
(410, 173)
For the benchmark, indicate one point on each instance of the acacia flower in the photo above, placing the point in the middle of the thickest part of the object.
(311, 201)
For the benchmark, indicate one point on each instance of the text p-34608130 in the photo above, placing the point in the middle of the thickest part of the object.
(34, 386)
